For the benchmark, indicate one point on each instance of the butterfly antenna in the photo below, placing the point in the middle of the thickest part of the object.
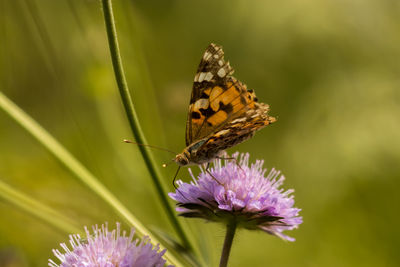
(156, 147)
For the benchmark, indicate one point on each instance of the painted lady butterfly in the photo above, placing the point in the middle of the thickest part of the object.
(222, 111)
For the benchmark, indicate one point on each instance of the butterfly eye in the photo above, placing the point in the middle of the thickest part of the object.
(181, 159)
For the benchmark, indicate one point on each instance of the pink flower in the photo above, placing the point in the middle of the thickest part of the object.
(104, 248)
(237, 191)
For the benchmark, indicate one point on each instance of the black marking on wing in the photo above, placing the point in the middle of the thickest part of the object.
(208, 64)
(237, 85)
(208, 112)
(228, 108)
(196, 115)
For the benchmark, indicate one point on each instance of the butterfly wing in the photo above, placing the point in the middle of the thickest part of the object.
(218, 99)
(205, 80)
(236, 131)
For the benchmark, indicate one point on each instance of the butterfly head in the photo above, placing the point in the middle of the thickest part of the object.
(183, 158)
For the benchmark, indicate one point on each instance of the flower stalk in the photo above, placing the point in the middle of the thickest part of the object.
(226, 249)
(133, 119)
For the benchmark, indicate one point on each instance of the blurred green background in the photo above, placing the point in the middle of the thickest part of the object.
(329, 69)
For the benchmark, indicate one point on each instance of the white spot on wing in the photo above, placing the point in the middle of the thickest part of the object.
(208, 76)
(221, 73)
(222, 132)
(238, 120)
(216, 56)
(207, 55)
(201, 103)
(196, 77)
(220, 62)
(201, 76)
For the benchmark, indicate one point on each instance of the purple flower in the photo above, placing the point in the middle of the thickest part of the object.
(103, 248)
(237, 191)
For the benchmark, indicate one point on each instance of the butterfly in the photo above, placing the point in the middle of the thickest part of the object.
(222, 111)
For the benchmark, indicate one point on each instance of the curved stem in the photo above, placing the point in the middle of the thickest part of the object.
(133, 120)
(230, 233)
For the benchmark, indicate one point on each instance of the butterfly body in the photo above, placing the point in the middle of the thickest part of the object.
(222, 111)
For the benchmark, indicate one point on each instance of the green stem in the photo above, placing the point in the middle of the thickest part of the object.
(133, 120)
(226, 250)
(66, 158)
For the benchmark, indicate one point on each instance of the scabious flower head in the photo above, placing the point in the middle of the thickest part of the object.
(237, 191)
(104, 248)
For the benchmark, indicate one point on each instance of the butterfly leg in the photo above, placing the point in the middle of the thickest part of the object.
(176, 174)
(228, 158)
(234, 159)
(212, 176)
(173, 183)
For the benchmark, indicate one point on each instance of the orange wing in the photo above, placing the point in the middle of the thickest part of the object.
(217, 97)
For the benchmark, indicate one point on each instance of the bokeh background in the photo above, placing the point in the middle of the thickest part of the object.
(329, 69)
